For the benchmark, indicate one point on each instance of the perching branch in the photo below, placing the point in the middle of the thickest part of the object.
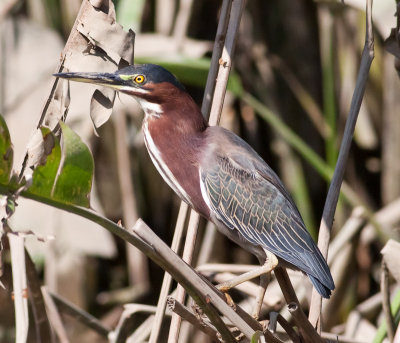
(184, 313)
(149, 243)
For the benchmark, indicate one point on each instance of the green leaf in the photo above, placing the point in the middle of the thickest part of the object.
(381, 333)
(44, 176)
(68, 172)
(6, 152)
(75, 175)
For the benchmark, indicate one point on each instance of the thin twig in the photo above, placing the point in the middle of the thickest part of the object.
(54, 317)
(83, 317)
(208, 243)
(142, 332)
(305, 327)
(184, 313)
(126, 320)
(137, 262)
(199, 290)
(352, 226)
(187, 257)
(182, 22)
(226, 268)
(42, 325)
(166, 285)
(390, 325)
(225, 62)
(334, 188)
(288, 329)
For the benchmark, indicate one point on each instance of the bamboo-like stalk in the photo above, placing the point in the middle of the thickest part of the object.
(216, 102)
(187, 257)
(206, 105)
(19, 287)
(166, 284)
(334, 188)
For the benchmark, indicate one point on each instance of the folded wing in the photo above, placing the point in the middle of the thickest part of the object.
(246, 195)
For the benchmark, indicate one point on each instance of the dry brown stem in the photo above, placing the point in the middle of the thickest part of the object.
(334, 188)
(137, 262)
(204, 295)
(187, 315)
(221, 74)
(54, 317)
(385, 291)
(305, 327)
(80, 315)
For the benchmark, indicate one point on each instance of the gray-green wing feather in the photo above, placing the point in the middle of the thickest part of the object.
(252, 200)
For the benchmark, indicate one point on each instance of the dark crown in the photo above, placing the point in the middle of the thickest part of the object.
(153, 73)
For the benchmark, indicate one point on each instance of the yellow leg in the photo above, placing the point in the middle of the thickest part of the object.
(270, 263)
(264, 281)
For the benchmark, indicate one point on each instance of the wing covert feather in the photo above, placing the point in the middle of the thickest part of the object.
(244, 200)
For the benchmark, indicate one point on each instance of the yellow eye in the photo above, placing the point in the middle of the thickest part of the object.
(139, 79)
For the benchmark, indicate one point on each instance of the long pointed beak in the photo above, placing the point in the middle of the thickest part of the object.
(101, 79)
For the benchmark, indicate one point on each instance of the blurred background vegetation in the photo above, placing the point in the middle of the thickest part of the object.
(299, 58)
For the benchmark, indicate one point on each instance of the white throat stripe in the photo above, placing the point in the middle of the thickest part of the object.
(162, 168)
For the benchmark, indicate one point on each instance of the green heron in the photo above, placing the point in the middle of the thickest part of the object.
(216, 172)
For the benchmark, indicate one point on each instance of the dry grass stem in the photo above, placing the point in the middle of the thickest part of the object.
(187, 315)
(137, 262)
(182, 22)
(166, 284)
(187, 257)
(216, 101)
(265, 268)
(54, 317)
(206, 105)
(40, 319)
(64, 306)
(351, 228)
(288, 329)
(305, 327)
(20, 289)
(198, 289)
(143, 331)
(334, 188)
(385, 291)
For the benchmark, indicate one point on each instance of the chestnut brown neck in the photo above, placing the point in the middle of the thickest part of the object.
(173, 136)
